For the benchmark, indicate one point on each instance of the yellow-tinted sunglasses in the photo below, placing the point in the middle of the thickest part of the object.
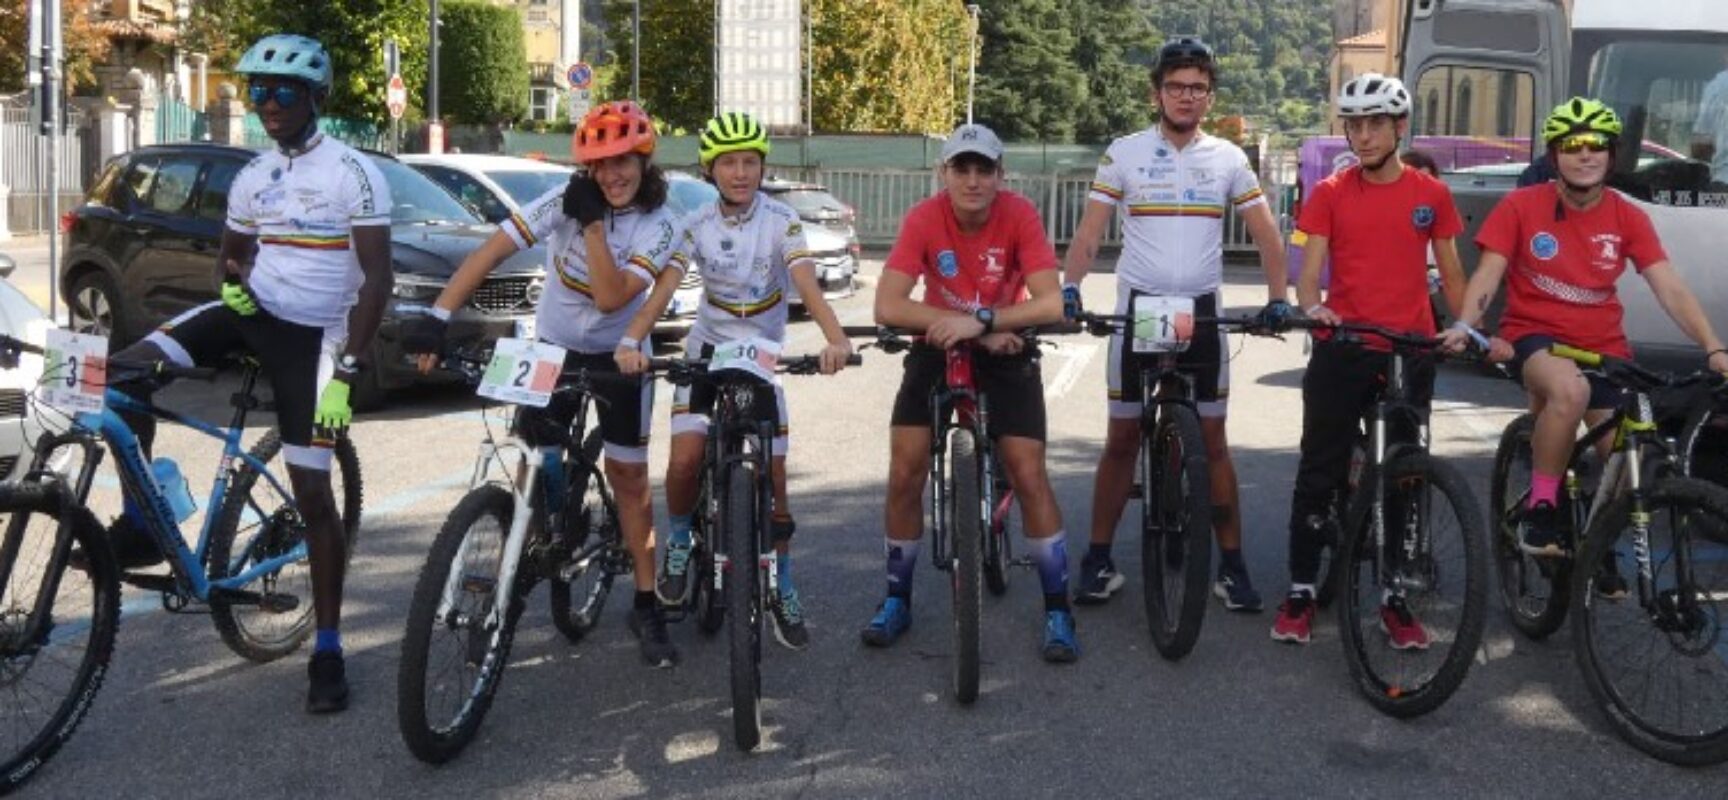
(1579, 142)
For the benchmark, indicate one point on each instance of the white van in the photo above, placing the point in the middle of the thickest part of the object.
(1493, 68)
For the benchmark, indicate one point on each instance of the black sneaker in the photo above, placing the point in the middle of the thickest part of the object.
(327, 690)
(133, 548)
(1098, 580)
(1541, 532)
(1237, 592)
(788, 617)
(649, 626)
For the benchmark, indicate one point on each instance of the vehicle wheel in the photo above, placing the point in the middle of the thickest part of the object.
(452, 659)
(1653, 659)
(1533, 590)
(744, 599)
(1176, 530)
(966, 534)
(590, 529)
(53, 676)
(256, 524)
(93, 303)
(1440, 575)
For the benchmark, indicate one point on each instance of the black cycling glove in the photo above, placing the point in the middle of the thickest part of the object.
(423, 333)
(583, 200)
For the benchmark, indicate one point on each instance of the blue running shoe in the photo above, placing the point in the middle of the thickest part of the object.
(1060, 646)
(892, 618)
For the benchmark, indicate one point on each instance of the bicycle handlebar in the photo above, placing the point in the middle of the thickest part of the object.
(682, 371)
(11, 346)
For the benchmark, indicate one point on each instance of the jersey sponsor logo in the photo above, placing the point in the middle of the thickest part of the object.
(368, 203)
(946, 264)
(1544, 246)
(1422, 217)
(1161, 153)
(1607, 247)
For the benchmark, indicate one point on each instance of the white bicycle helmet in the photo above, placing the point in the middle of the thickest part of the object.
(289, 56)
(1370, 94)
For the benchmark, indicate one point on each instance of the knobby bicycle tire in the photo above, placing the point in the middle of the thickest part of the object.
(1176, 530)
(966, 535)
(280, 535)
(438, 741)
(1360, 591)
(584, 505)
(1700, 641)
(58, 725)
(1533, 591)
(744, 602)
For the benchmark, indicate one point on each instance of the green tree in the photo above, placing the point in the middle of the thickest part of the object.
(1028, 84)
(354, 32)
(677, 59)
(84, 46)
(889, 65)
(1108, 39)
(484, 63)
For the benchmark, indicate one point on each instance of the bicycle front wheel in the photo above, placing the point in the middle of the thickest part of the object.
(589, 527)
(1176, 530)
(744, 601)
(257, 523)
(53, 668)
(966, 514)
(454, 651)
(1653, 653)
(1411, 615)
(1534, 590)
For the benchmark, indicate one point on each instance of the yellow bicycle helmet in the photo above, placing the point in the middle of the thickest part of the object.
(731, 132)
(1580, 115)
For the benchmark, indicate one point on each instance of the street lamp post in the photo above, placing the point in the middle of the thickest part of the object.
(432, 78)
(636, 51)
(972, 60)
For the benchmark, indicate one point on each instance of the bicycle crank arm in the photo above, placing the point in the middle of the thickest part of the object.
(274, 603)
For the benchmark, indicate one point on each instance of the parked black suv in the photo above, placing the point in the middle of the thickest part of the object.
(142, 248)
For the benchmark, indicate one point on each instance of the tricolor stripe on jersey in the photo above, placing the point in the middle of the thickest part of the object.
(307, 241)
(746, 309)
(1105, 189)
(1166, 210)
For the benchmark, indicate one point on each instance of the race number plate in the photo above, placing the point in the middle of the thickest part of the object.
(74, 371)
(1162, 324)
(755, 356)
(522, 372)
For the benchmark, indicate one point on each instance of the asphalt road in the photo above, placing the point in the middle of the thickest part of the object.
(1242, 716)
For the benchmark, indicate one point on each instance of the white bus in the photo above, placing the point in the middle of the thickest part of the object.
(1491, 69)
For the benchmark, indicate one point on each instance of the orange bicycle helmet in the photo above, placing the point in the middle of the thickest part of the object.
(613, 129)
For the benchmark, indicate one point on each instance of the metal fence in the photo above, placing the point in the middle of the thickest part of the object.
(179, 122)
(24, 167)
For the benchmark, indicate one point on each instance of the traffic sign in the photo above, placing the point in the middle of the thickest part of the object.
(579, 101)
(581, 75)
(396, 97)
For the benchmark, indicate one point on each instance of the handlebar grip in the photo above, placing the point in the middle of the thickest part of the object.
(854, 331)
(13, 343)
(1584, 357)
(854, 360)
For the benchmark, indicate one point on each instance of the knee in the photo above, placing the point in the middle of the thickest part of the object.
(906, 479)
(1567, 399)
(1028, 478)
(629, 481)
(684, 465)
(1121, 442)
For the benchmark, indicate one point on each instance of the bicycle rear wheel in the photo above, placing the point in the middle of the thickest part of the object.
(1176, 530)
(257, 523)
(1656, 664)
(966, 513)
(51, 674)
(589, 525)
(1434, 562)
(744, 600)
(1534, 590)
(453, 657)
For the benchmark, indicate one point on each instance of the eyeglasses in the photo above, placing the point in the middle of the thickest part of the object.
(1199, 91)
(1592, 142)
(286, 95)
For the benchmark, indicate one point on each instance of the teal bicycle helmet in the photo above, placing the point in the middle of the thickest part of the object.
(290, 56)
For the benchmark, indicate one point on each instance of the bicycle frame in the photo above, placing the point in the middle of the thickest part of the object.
(959, 394)
(1634, 427)
(729, 446)
(1393, 407)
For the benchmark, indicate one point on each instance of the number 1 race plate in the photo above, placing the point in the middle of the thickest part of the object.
(522, 372)
(74, 371)
(1162, 324)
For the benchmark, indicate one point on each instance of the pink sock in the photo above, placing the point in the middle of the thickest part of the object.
(1543, 488)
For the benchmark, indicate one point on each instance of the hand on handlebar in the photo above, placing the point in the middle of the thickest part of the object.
(834, 356)
(630, 360)
(1718, 362)
(1002, 344)
(952, 330)
(1323, 315)
(1499, 350)
(1071, 305)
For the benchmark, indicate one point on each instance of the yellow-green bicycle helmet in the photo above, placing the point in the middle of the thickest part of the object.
(731, 132)
(1580, 115)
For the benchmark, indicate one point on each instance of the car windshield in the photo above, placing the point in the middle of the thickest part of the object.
(526, 186)
(812, 203)
(415, 199)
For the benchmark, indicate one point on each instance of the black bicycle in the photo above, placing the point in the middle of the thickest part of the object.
(524, 520)
(734, 507)
(1411, 550)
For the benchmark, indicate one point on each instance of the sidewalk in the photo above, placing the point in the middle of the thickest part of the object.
(33, 276)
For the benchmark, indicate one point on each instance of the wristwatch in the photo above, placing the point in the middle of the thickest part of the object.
(347, 364)
(986, 316)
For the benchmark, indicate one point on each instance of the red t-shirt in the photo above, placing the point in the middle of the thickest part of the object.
(1560, 273)
(965, 272)
(1378, 236)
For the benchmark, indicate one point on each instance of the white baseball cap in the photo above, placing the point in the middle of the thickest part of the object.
(972, 138)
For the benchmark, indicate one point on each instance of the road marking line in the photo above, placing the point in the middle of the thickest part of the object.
(1077, 357)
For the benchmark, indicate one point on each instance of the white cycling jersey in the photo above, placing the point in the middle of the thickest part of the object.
(1171, 204)
(641, 242)
(746, 263)
(303, 209)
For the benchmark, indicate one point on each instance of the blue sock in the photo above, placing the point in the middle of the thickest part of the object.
(681, 528)
(329, 641)
(902, 559)
(783, 572)
(1051, 556)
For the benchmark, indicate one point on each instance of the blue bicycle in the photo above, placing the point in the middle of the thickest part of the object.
(59, 614)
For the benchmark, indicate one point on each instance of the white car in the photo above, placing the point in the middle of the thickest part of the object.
(20, 423)
(494, 186)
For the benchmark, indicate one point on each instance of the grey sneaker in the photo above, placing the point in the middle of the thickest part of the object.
(788, 616)
(673, 585)
(649, 626)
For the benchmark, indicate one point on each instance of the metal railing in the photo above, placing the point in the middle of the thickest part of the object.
(24, 168)
(179, 122)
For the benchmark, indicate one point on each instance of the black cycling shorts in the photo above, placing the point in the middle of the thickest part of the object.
(296, 359)
(1603, 393)
(1013, 387)
(623, 406)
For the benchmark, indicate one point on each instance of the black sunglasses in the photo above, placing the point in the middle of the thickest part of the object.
(286, 95)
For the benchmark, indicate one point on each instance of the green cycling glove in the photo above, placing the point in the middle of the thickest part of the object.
(235, 296)
(333, 410)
